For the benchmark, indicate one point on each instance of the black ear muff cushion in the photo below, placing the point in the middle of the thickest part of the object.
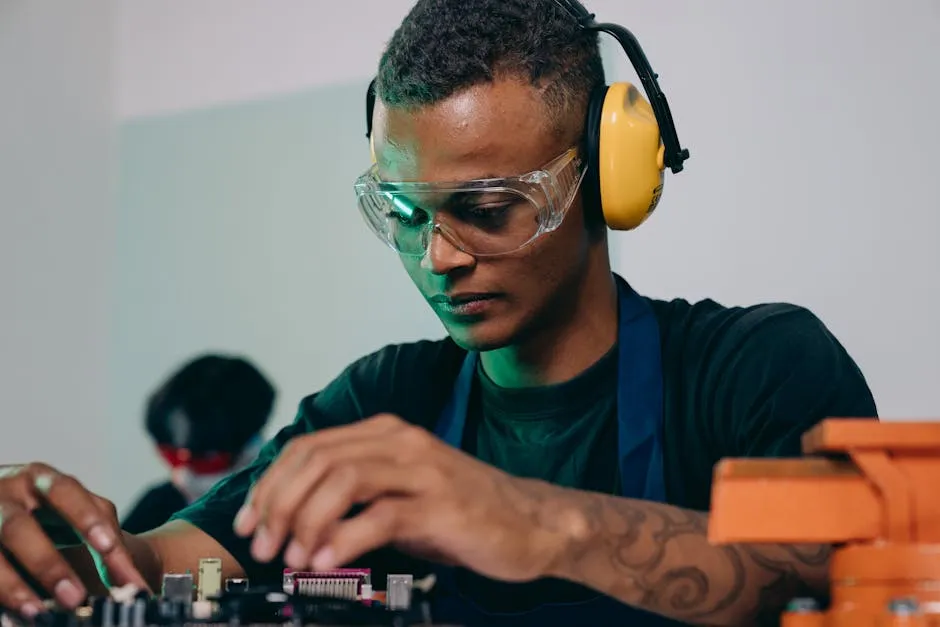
(370, 107)
(591, 186)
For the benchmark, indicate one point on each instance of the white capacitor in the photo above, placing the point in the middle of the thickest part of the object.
(202, 610)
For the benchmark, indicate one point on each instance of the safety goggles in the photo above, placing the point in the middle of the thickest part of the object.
(482, 217)
(210, 462)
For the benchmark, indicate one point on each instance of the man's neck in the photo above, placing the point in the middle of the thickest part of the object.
(561, 351)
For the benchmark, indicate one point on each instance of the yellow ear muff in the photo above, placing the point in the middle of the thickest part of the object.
(630, 158)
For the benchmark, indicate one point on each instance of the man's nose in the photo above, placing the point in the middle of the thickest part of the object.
(442, 256)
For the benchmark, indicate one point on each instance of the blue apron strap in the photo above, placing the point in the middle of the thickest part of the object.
(450, 428)
(639, 398)
(453, 419)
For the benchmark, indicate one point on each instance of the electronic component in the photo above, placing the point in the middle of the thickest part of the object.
(236, 584)
(203, 610)
(178, 587)
(336, 597)
(398, 591)
(210, 578)
(257, 607)
(351, 584)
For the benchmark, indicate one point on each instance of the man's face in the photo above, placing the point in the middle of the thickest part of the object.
(491, 130)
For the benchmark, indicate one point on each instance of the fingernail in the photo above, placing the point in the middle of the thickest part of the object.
(101, 538)
(296, 555)
(30, 610)
(261, 547)
(44, 482)
(324, 559)
(68, 593)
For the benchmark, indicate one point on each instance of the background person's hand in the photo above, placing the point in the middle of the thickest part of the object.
(42, 510)
(421, 495)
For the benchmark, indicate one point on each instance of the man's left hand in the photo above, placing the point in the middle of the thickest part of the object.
(420, 494)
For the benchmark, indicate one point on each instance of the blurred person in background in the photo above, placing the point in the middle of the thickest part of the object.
(206, 422)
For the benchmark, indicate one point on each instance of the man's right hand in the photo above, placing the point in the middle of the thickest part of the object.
(40, 508)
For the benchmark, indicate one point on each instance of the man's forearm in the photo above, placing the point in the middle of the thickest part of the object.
(175, 547)
(658, 557)
(146, 558)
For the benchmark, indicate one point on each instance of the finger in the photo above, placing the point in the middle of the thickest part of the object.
(288, 463)
(136, 577)
(78, 507)
(339, 491)
(277, 504)
(294, 458)
(15, 595)
(25, 540)
(384, 522)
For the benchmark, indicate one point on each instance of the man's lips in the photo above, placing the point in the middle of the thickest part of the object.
(464, 303)
(461, 298)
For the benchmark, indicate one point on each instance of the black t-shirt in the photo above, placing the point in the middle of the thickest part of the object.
(737, 382)
(154, 508)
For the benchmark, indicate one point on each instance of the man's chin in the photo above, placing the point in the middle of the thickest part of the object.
(480, 337)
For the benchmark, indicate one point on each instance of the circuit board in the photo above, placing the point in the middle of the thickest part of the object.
(338, 597)
(241, 608)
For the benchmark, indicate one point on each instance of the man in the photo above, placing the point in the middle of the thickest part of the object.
(589, 417)
(206, 423)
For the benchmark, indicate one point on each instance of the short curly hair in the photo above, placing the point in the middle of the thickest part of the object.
(444, 46)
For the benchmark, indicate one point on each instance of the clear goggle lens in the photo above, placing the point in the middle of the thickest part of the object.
(481, 217)
(481, 222)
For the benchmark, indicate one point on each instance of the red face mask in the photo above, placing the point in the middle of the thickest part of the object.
(208, 463)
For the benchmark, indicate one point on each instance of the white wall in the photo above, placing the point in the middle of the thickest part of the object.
(811, 127)
(186, 66)
(181, 55)
(56, 231)
(236, 233)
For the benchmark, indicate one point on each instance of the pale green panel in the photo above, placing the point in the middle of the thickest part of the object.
(238, 231)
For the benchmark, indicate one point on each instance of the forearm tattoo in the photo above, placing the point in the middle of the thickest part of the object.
(658, 557)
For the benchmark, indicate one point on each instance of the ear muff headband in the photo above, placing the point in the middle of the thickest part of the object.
(629, 140)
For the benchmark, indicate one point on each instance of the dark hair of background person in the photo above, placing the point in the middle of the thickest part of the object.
(226, 400)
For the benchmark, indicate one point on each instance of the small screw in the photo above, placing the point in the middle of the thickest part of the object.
(903, 606)
(803, 605)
